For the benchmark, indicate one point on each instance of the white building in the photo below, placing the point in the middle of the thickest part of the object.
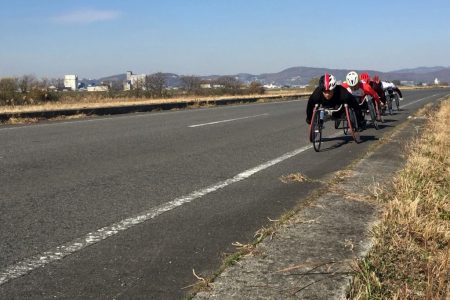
(71, 82)
(133, 80)
(436, 81)
(98, 88)
(270, 86)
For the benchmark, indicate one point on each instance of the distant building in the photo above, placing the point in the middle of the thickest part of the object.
(205, 85)
(407, 83)
(436, 81)
(71, 82)
(271, 86)
(98, 88)
(133, 80)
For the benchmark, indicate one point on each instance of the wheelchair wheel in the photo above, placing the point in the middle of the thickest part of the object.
(316, 132)
(373, 114)
(397, 102)
(337, 122)
(353, 123)
(389, 105)
(345, 126)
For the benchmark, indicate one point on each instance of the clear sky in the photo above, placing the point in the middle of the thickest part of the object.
(96, 38)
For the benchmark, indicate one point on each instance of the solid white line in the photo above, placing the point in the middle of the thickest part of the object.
(224, 121)
(29, 264)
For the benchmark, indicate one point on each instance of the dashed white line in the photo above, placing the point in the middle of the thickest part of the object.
(225, 121)
(27, 265)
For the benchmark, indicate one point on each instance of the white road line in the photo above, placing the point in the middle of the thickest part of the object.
(225, 121)
(140, 115)
(27, 265)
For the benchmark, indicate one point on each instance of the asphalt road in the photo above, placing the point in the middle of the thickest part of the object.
(126, 207)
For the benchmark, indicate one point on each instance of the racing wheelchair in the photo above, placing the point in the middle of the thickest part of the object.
(321, 115)
(392, 97)
(370, 108)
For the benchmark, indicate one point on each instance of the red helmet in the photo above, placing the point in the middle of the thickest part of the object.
(364, 77)
(376, 78)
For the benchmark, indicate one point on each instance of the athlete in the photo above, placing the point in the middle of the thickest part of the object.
(377, 86)
(360, 89)
(389, 85)
(331, 95)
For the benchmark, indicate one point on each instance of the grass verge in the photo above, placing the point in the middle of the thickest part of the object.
(411, 243)
(93, 102)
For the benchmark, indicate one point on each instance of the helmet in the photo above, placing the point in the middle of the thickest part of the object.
(327, 82)
(352, 78)
(376, 78)
(364, 77)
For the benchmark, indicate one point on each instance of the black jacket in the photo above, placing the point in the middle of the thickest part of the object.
(340, 96)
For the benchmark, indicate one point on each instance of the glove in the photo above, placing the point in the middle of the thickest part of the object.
(308, 121)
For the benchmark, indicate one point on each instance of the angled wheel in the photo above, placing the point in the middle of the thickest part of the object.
(337, 122)
(345, 125)
(316, 132)
(397, 102)
(353, 123)
(389, 104)
(372, 113)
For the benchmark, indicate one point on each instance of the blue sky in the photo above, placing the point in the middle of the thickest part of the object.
(50, 38)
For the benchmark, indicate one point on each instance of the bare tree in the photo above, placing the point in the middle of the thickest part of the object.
(8, 91)
(191, 84)
(231, 84)
(256, 88)
(137, 87)
(27, 82)
(58, 83)
(43, 84)
(155, 84)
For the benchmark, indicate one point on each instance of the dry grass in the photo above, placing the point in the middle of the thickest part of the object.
(410, 256)
(93, 102)
(295, 177)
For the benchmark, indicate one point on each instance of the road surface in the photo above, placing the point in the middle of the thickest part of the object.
(127, 206)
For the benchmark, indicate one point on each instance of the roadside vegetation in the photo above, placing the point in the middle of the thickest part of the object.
(411, 244)
(30, 94)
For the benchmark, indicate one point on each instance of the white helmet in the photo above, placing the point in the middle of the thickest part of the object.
(352, 78)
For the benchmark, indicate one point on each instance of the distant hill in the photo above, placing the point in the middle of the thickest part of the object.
(298, 76)
(420, 70)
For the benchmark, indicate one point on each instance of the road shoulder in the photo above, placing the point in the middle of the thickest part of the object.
(311, 255)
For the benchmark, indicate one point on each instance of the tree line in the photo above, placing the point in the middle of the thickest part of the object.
(28, 89)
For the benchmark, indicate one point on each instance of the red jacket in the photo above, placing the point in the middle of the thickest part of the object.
(363, 90)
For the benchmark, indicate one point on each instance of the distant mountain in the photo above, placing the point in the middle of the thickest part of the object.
(298, 76)
(118, 77)
(302, 75)
(443, 74)
(421, 70)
